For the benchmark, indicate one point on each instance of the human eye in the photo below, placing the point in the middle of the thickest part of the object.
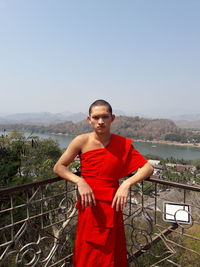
(95, 117)
(105, 117)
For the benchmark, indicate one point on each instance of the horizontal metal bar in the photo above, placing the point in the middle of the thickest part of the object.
(47, 226)
(6, 244)
(12, 189)
(57, 179)
(30, 218)
(174, 184)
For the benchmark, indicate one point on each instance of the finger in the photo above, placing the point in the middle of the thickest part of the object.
(120, 203)
(114, 202)
(86, 201)
(83, 200)
(123, 203)
(90, 200)
(93, 199)
(118, 206)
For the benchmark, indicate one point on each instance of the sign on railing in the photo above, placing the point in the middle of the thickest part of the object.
(176, 213)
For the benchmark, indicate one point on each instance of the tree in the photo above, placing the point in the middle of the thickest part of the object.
(25, 159)
(9, 164)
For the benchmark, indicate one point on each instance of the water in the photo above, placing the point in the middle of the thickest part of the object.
(166, 151)
(162, 150)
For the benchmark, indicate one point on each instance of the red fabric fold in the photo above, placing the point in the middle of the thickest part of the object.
(99, 222)
(99, 219)
(100, 238)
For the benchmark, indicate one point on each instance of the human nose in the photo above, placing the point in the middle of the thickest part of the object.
(100, 121)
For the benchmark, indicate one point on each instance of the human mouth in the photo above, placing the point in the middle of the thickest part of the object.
(100, 127)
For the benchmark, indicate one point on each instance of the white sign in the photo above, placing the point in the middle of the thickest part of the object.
(176, 213)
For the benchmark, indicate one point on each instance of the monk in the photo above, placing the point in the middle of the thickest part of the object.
(105, 158)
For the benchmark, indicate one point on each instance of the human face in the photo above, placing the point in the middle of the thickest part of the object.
(100, 119)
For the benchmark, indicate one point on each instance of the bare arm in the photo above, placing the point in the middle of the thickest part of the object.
(121, 195)
(60, 168)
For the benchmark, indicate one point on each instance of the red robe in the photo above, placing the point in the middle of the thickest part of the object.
(100, 238)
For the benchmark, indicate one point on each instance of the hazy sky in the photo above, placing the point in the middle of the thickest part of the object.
(59, 55)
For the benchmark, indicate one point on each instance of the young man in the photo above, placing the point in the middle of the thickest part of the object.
(105, 158)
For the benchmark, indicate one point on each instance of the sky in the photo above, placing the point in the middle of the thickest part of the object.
(142, 56)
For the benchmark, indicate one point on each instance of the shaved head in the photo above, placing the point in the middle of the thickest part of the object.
(100, 102)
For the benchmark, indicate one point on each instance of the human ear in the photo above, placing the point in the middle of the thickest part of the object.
(89, 119)
(113, 117)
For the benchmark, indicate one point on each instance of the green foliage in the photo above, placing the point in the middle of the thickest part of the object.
(176, 137)
(196, 163)
(25, 159)
(175, 161)
(183, 137)
(9, 164)
(187, 257)
(154, 157)
(75, 167)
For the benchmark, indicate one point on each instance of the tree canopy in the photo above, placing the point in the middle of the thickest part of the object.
(26, 159)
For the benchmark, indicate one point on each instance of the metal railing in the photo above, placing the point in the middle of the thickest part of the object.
(155, 242)
(38, 221)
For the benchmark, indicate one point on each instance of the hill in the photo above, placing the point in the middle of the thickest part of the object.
(186, 124)
(41, 117)
(142, 128)
(135, 127)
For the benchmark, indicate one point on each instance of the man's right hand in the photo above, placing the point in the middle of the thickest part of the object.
(86, 193)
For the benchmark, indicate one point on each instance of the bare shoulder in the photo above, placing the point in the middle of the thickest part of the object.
(79, 141)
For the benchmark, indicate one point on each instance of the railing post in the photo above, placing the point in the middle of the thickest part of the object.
(155, 205)
(142, 196)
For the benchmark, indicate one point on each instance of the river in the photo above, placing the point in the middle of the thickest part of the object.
(162, 150)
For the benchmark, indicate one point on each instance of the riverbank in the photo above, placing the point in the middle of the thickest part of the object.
(164, 142)
(153, 142)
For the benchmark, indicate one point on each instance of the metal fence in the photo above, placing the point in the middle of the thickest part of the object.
(38, 222)
(163, 237)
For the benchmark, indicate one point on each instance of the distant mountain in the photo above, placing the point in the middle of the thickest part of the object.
(187, 121)
(2, 120)
(190, 117)
(42, 117)
(118, 112)
(188, 124)
(46, 118)
(135, 127)
(76, 117)
(75, 123)
(186, 117)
